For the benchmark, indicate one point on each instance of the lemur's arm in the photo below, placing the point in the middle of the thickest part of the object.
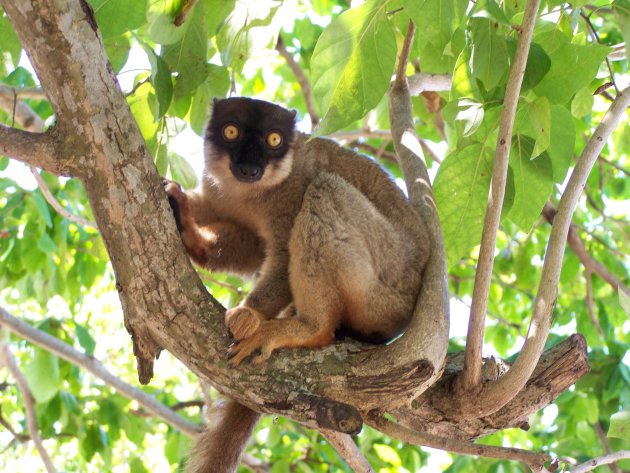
(214, 245)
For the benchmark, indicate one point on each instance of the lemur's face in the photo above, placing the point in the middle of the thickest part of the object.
(249, 141)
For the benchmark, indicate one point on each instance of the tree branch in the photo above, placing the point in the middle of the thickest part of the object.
(497, 394)
(401, 77)
(348, 450)
(534, 460)
(302, 80)
(590, 465)
(422, 82)
(471, 376)
(30, 121)
(577, 246)
(92, 365)
(36, 149)
(43, 187)
(601, 435)
(29, 403)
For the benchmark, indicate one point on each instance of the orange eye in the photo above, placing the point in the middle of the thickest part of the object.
(274, 139)
(230, 132)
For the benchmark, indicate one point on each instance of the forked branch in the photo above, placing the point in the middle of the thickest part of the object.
(470, 379)
(496, 394)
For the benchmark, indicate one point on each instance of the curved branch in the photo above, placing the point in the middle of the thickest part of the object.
(577, 246)
(43, 187)
(496, 394)
(534, 460)
(302, 80)
(590, 465)
(29, 403)
(92, 365)
(470, 379)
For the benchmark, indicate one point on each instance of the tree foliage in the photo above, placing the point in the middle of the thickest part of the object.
(172, 57)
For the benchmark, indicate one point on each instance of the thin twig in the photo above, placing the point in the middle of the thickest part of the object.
(302, 80)
(589, 304)
(534, 460)
(601, 435)
(577, 246)
(615, 165)
(403, 59)
(43, 187)
(351, 135)
(29, 403)
(348, 450)
(595, 36)
(470, 378)
(65, 351)
(603, 460)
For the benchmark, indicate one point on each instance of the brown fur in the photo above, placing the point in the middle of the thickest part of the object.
(334, 240)
(233, 424)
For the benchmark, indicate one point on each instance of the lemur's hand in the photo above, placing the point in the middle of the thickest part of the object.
(177, 200)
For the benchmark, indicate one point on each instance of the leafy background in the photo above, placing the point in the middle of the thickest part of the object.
(56, 275)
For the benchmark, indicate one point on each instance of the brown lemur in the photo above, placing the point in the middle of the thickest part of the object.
(333, 240)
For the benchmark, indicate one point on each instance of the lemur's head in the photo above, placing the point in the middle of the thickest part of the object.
(249, 142)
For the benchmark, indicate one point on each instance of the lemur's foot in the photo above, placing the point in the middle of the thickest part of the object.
(242, 321)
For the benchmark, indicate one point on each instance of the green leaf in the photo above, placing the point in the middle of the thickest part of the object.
(161, 16)
(93, 441)
(620, 425)
(489, 52)
(187, 57)
(85, 339)
(216, 85)
(490, 9)
(141, 109)
(218, 11)
(573, 66)
(533, 182)
(250, 28)
(182, 172)
(461, 191)
(436, 20)
(471, 113)
(117, 49)
(177, 446)
(9, 43)
(161, 79)
(42, 375)
(582, 103)
(562, 141)
(352, 64)
(621, 10)
(4, 163)
(538, 64)
(540, 114)
(387, 454)
(115, 17)
(42, 206)
(46, 244)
